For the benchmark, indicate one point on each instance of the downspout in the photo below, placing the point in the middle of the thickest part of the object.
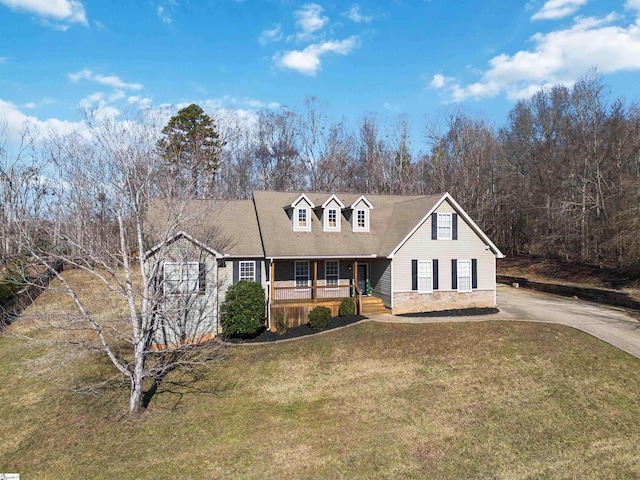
(495, 283)
(391, 286)
(269, 293)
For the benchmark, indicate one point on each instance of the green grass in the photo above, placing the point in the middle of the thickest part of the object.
(482, 400)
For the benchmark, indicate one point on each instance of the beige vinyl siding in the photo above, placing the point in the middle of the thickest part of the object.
(381, 280)
(420, 247)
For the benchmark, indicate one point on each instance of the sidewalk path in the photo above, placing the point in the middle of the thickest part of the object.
(612, 325)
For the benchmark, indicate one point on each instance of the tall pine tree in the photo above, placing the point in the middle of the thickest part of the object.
(191, 148)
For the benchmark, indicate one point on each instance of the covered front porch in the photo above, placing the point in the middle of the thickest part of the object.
(299, 285)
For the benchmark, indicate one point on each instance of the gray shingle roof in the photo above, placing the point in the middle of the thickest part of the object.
(228, 226)
(262, 226)
(391, 219)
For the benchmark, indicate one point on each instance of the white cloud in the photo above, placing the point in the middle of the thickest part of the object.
(558, 57)
(226, 100)
(98, 106)
(438, 81)
(141, 102)
(354, 14)
(309, 19)
(4, 59)
(30, 105)
(392, 107)
(163, 15)
(307, 61)
(633, 5)
(117, 95)
(110, 80)
(272, 35)
(554, 9)
(17, 121)
(68, 11)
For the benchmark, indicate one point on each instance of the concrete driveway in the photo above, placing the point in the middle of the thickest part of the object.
(612, 325)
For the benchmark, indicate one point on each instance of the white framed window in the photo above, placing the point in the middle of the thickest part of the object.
(444, 226)
(425, 277)
(332, 273)
(332, 219)
(361, 220)
(247, 271)
(301, 219)
(181, 278)
(302, 273)
(464, 275)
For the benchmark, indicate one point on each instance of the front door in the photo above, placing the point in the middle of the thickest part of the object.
(363, 275)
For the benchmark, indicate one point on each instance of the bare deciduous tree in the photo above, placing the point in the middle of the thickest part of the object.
(106, 182)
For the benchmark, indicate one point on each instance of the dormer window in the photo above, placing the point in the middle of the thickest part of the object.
(300, 213)
(331, 214)
(302, 219)
(361, 214)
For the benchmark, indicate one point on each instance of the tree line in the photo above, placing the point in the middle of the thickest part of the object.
(560, 179)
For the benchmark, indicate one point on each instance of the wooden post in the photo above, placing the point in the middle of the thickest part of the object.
(355, 275)
(356, 291)
(273, 280)
(314, 294)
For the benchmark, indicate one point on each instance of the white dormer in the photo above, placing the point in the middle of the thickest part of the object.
(332, 214)
(361, 214)
(301, 213)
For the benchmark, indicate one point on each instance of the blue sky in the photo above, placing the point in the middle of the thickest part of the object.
(421, 58)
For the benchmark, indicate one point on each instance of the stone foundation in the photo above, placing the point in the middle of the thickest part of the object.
(414, 302)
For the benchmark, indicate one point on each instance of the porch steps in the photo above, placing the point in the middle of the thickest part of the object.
(372, 306)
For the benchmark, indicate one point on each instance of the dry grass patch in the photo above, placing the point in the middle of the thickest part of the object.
(481, 400)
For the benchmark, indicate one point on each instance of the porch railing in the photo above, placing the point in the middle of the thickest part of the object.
(281, 294)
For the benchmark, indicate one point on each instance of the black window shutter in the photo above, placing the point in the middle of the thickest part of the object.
(434, 226)
(414, 274)
(454, 226)
(202, 278)
(236, 272)
(474, 273)
(434, 268)
(454, 274)
(258, 271)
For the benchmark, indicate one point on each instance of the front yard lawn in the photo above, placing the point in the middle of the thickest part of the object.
(478, 400)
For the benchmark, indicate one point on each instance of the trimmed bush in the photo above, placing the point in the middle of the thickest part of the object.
(243, 311)
(347, 307)
(282, 324)
(319, 318)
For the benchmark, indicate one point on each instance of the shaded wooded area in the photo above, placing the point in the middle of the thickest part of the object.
(561, 179)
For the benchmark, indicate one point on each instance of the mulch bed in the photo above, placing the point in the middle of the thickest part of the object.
(302, 331)
(463, 312)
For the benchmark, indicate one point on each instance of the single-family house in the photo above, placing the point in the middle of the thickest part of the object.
(391, 253)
